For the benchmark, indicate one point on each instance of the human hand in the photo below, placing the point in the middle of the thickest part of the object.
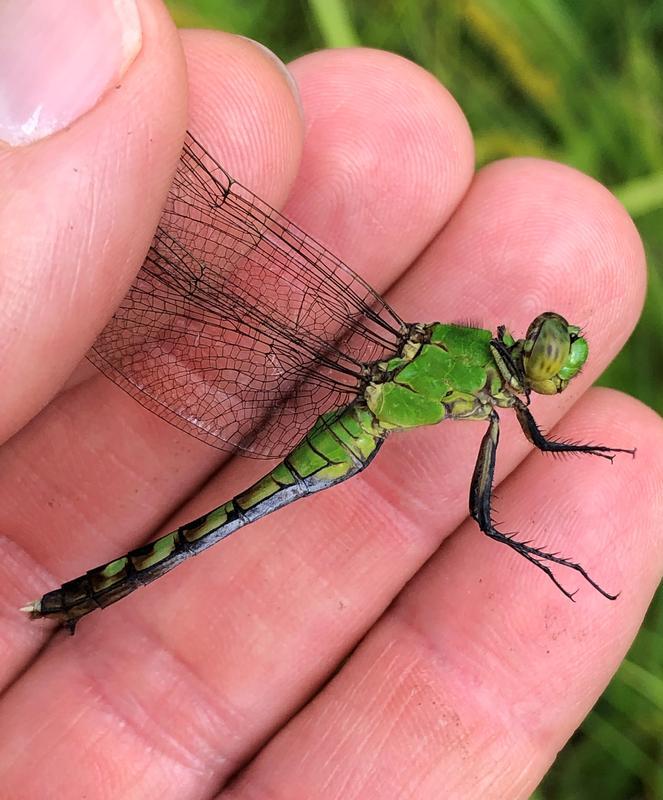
(479, 670)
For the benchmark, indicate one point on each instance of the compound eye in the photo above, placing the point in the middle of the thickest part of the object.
(548, 344)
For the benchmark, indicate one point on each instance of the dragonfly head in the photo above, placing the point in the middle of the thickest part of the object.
(551, 353)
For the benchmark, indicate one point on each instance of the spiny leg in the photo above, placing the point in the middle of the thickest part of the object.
(481, 492)
(536, 437)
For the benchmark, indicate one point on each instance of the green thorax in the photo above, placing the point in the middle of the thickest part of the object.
(443, 371)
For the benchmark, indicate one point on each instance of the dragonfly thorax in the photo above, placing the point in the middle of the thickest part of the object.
(451, 374)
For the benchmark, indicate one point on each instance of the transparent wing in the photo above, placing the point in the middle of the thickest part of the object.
(240, 329)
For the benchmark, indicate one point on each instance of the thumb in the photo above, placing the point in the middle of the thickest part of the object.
(92, 114)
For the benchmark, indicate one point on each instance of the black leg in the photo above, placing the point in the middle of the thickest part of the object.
(481, 492)
(533, 433)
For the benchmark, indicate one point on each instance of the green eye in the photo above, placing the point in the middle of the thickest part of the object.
(548, 344)
(553, 353)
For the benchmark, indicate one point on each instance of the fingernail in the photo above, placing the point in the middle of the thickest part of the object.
(57, 58)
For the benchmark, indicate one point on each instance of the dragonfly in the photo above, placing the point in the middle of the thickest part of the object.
(245, 332)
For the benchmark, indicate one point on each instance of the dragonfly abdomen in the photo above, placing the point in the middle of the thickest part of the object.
(338, 446)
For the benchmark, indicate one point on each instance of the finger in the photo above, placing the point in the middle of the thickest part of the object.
(476, 677)
(388, 156)
(76, 225)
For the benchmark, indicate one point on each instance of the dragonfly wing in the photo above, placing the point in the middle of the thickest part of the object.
(239, 328)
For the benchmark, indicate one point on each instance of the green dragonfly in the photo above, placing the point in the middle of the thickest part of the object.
(243, 331)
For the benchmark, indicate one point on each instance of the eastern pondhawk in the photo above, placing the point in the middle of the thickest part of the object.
(243, 331)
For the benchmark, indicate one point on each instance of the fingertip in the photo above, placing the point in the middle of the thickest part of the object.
(591, 246)
(387, 157)
(243, 106)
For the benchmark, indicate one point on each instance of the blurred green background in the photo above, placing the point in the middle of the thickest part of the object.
(576, 81)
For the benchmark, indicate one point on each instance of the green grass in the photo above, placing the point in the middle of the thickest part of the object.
(580, 82)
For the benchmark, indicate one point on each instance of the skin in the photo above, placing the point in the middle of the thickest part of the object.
(465, 682)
